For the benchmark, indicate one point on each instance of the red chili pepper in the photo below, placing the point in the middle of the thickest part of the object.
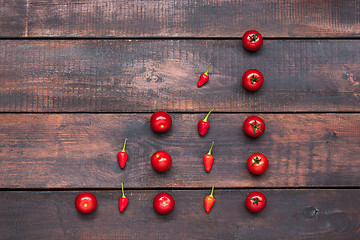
(123, 201)
(204, 77)
(209, 159)
(123, 156)
(204, 125)
(209, 201)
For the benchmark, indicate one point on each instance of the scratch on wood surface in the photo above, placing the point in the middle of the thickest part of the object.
(27, 19)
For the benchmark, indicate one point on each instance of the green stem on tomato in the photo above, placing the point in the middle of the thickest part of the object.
(254, 37)
(123, 150)
(209, 153)
(256, 126)
(122, 189)
(205, 119)
(256, 160)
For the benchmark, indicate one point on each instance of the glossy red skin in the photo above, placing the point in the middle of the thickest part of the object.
(257, 168)
(208, 162)
(85, 202)
(246, 79)
(160, 121)
(164, 203)
(249, 130)
(123, 202)
(249, 202)
(203, 79)
(122, 157)
(208, 203)
(203, 127)
(253, 45)
(161, 161)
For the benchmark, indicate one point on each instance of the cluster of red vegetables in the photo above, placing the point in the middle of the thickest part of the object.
(161, 161)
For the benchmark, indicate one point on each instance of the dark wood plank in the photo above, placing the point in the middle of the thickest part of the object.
(149, 75)
(13, 19)
(182, 18)
(38, 215)
(80, 150)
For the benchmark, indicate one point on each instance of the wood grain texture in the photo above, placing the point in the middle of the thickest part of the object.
(13, 19)
(180, 18)
(150, 75)
(80, 151)
(38, 215)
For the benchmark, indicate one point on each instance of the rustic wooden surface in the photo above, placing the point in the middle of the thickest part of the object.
(80, 151)
(77, 77)
(179, 18)
(289, 214)
(150, 75)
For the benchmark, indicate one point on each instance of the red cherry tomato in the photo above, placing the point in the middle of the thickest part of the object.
(254, 126)
(255, 201)
(85, 202)
(257, 163)
(161, 161)
(160, 121)
(252, 79)
(163, 203)
(252, 40)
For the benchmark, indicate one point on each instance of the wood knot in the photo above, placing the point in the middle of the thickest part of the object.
(310, 212)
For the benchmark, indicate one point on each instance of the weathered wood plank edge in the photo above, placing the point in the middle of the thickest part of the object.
(177, 38)
(218, 111)
(174, 189)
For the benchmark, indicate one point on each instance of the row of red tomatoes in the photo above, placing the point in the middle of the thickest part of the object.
(164, 203)
(161, 160)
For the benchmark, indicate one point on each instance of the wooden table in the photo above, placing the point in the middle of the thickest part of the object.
(77, 77)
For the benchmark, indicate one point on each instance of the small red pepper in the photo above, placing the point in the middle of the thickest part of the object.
(204, 125)
(209, 159)
(209, 201)
(123, 201)
(123, 156)
(204, 77)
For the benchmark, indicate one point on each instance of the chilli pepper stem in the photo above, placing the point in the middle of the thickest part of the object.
(206, 73)
(212, 191)
(123, 150)
(205, 119)
(209, 153)
(122, 189)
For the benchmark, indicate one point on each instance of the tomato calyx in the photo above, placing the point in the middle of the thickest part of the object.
(257, 160)
(256, 200)
(254, 37)
(256, 126)
(254, 79)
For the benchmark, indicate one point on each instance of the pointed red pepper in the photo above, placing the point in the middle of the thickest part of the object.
(204, 125)
(123, 201)
(209, 159)
(209, 201)
(204, 77)
(123, 156)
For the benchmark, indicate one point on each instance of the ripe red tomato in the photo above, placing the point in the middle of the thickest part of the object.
(160, 121)
(85, 202)
(163, 203)
(252, 79)
(252, 40)
(254, 126)
(257, 163)
(255, 201)
(161, 161)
